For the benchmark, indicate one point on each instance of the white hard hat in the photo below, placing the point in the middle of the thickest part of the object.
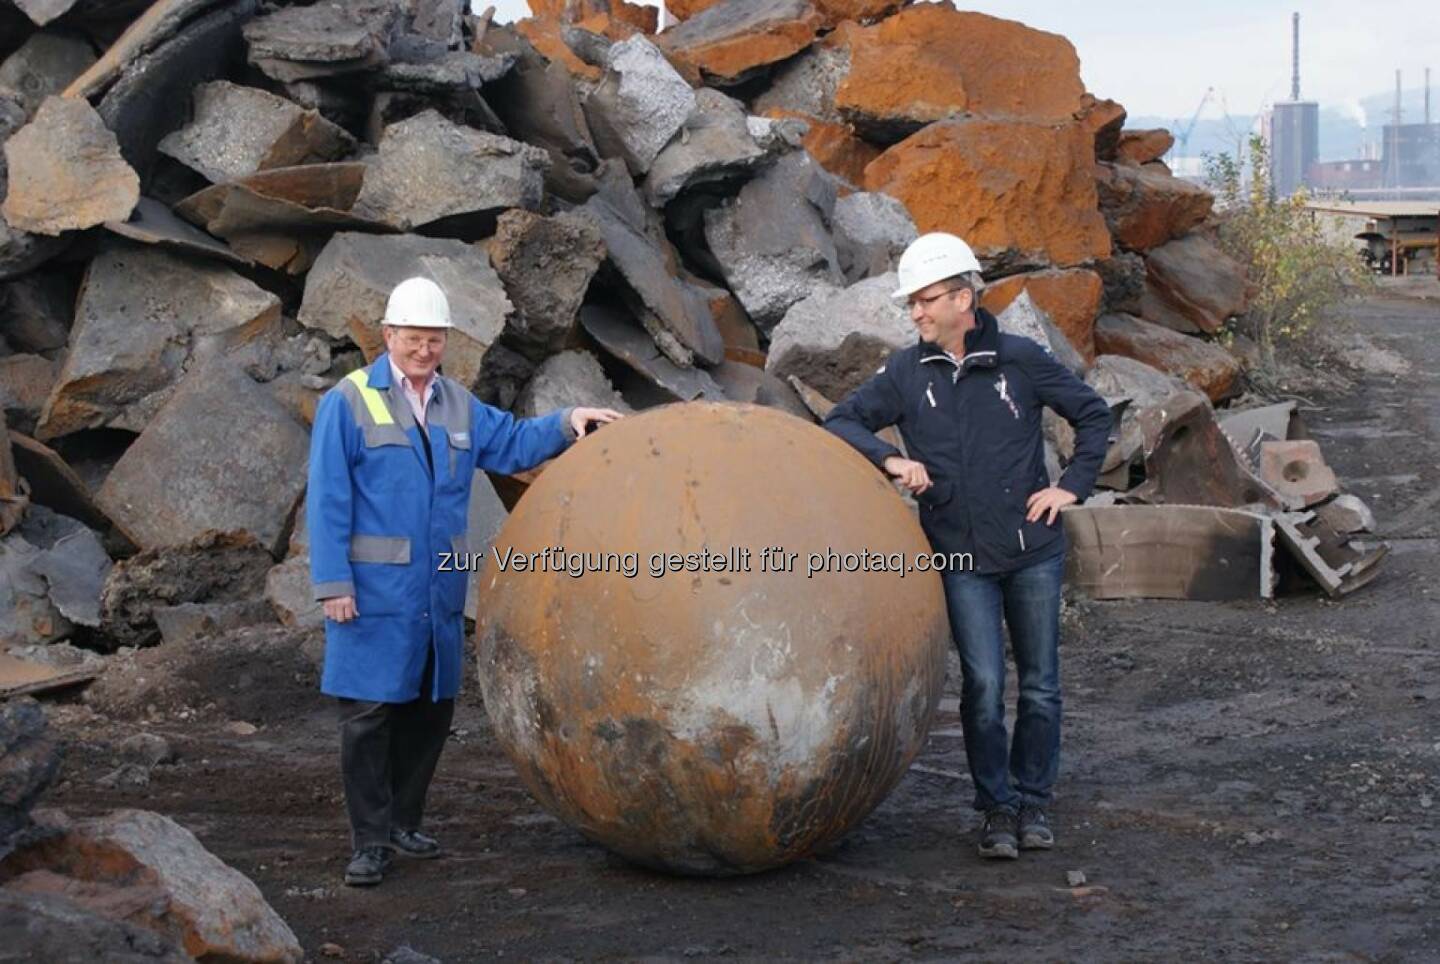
(930, 258)
(418, 303)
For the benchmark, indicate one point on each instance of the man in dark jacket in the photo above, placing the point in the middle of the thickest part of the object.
(968, 402)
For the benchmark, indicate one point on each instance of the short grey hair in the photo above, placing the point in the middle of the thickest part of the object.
(968, 279)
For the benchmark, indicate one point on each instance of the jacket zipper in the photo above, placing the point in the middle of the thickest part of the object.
(1021, 534)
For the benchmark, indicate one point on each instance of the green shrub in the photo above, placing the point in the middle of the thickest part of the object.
(1297, 272)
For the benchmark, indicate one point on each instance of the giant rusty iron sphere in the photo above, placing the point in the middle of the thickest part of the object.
(710, 722)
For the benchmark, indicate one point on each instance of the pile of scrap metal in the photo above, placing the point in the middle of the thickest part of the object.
(203, 206)
(1195, 505)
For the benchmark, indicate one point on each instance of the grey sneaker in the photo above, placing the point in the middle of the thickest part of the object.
(998, 834)
(1035, 831)
(367, 866)
(413, 843)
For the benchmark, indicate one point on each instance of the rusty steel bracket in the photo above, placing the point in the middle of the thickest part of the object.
(1326, 555)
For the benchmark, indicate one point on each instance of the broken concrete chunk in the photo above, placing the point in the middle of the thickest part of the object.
(142, 314)
(189, 621)
(1195, 279)
(153, 223)
(734, 39)
(538, 103)
(639, 105)
(235, 131)
(346, 292)
(1145, 208)
(1347, 514)
(836, 339)
(429, 169)
(625, 339)
(448, 72)
(29, 759)
(1170, 552)
(871, 232)
(215, 568)
(1069, 298)
(1206, 366)
(546, 265)
(1123, 277)
(326, 38)
(248, 489)
(66, 172)
(1022, 317)
(806, 84)
(754, 386)
(207, 907)
(676, 314)
(25, 383)
(73, 563)
(1297, 470)
(44, 65)
(54, 927)
(27, 613)
(566, 380)
(291, 595)
(715, 145)
(773, 240)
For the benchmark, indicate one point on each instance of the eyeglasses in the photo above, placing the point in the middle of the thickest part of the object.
(927, 302)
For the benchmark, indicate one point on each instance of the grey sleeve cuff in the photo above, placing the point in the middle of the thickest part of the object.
(565, 425)
(333, 590)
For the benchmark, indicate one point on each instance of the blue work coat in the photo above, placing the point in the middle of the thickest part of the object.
(381, 514)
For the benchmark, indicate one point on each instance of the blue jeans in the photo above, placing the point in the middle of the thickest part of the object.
(1006, 773)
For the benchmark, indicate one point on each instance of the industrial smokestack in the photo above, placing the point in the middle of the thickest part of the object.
(1295, 56)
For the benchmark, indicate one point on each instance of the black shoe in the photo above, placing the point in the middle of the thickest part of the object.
(413, 843)
(1035, 829)
(367, 866)
(998, 834)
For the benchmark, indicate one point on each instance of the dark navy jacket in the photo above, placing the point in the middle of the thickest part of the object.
(976, 427)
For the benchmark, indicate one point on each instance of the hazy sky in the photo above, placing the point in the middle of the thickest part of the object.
(1158, 58)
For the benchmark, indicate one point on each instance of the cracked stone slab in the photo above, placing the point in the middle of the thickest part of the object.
(142, 314)
(325, 39)
(235, 131)
(156, 496)
(44, 65)
(346, 292)
(639, 105)
(872, 230)
(676, 314)
(153, 223)
(837, 337)
(773, 241)
(66, 172)
(627, 340)
(569, 379)
(429, 169)
(546, 264)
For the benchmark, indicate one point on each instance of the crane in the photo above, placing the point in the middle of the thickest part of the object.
(1183, 138)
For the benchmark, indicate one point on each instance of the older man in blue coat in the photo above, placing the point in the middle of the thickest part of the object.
(394, 450)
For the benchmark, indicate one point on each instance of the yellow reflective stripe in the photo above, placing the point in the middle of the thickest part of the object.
(374, 401)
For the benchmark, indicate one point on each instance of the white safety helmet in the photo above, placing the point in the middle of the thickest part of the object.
(933, 257)
(418, 303)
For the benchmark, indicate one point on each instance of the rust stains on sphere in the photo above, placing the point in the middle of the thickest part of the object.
(711, 722)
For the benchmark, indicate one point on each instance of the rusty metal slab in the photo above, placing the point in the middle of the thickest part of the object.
(54, 483)
(282, 217)
(820, 406)
(1170, 552)
(1189, 461)
(1339, 567)
(157, 24)
(153, 223)
(628, 341)
(20, 676)
(1273, 420)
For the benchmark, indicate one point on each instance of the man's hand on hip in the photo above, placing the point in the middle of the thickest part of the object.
(908, 473)
(1050, 500)
(340, 608)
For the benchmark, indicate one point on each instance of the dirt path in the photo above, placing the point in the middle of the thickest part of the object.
(1243, 781)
